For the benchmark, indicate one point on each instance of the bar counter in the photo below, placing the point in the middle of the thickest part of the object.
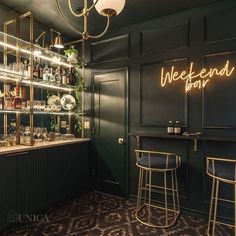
(41, 145)
(42, 175)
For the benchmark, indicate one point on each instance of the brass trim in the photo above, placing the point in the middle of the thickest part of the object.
(212, 220)
(146, 201)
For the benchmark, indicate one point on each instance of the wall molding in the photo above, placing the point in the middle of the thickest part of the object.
(180, 28)
(186, 108)
(119, 43)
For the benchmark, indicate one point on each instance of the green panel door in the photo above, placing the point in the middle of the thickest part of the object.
(110, 131)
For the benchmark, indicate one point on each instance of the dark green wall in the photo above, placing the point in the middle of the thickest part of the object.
(206, 36)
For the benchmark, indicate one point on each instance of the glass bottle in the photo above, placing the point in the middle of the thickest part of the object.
(26, 68)
(46, 73)
(51, 76)
(35, 68)
(17, 100)
(177, 128)
(21, 68)
(40, 69)
(170, 128)
(58, 76)
(64, 76)
(8, 101)
(29, 69)
(72, 77)
(68, 129)
(1, 103)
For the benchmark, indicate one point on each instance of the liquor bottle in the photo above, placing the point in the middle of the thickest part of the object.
(21, 68)
(35, 68)
(58, 76)
(46, 73)
(177, 128)
(40, 69)
(8, 101)
(68, 129)
(72, 77)
(26, 68)
(29, 69)
(51, 76)
(1, 102)
(170, 128)
(64, 76)
(17, 100)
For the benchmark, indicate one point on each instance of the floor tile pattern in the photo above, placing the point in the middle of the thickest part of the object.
(99, 214)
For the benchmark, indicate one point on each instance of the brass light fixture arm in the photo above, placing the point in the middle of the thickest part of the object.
(85, 10)
(36, 40)
(105, 30)
(41, 35)
(85, 14)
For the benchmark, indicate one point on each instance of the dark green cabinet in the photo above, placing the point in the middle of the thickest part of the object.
(55, 173)
(34, 180)
(31, 181)
(68, 171)
(76, 169)
(7, 188)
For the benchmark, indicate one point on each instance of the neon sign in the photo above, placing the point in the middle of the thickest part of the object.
(205, 75)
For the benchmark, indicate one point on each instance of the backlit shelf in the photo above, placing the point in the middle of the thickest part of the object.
(59, 113)
(14, 111)
(39, 83)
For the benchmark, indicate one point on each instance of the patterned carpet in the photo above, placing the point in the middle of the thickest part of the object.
(98, 214)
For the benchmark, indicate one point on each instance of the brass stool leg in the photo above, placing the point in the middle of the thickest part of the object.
(177, 191)
(149, 196)
(211, 206)
(215, 209)
(234, 210)
(173, 192)
(145, 192)
(139, 189)
(165, 192)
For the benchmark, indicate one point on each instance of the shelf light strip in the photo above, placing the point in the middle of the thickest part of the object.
(36, 83)
(12, 72)
(9, 78)
(31, 53)
(47, 85)
(38, 112)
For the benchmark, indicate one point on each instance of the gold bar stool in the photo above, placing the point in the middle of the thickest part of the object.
(221, 170)
(150, 162)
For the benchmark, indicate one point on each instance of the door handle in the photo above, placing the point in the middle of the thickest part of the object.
(121, 140)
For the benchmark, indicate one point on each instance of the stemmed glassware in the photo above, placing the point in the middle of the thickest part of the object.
(42, 105)
(38, 132)
(44, 133)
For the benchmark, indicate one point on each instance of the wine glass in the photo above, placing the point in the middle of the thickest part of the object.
(35, 133)
(42, 105)
(28, 105)
(38, 132)
(44, 133)
(35, 105)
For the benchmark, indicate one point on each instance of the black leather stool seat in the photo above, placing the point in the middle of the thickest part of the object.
(158, 162)
(223, 170)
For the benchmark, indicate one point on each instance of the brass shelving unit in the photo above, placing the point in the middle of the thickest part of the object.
(14, 46)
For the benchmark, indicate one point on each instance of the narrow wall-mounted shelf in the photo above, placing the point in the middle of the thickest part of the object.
(185, 137)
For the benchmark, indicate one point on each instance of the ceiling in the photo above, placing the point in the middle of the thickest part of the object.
(135, 11)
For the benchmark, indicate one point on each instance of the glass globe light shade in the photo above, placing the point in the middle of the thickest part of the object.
(109, 7)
